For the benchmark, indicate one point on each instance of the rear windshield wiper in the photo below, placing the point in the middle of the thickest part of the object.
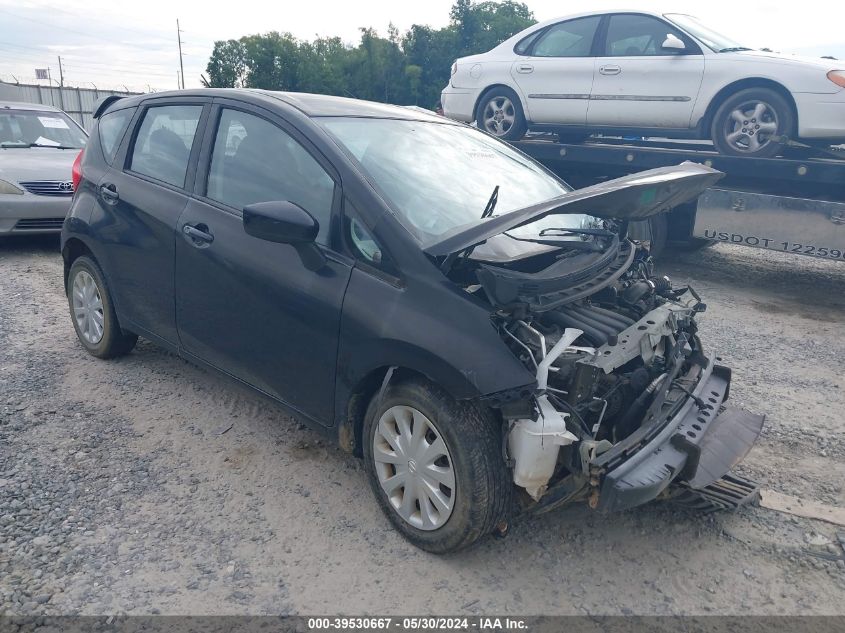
(734, 49)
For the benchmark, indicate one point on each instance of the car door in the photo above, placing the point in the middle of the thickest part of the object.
(554, 71)
(638, 83)
(247, 306)
(138, 203)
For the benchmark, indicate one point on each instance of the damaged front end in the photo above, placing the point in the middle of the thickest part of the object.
(627, 401)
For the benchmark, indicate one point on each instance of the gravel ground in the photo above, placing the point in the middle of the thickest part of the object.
(119, 492)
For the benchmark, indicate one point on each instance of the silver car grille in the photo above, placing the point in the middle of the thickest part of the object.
(49, 187)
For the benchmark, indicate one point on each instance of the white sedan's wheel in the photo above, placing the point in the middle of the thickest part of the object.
(499, 113)
(414, 467)
(752, 122)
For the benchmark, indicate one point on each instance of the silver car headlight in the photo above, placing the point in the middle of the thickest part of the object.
(7, 187)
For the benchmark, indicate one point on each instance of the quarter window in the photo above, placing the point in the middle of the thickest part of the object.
(164, 142)
(255, 161)
(111, 127)
(573, 38)
(632, 35)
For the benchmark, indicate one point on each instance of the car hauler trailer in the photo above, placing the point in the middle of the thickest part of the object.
(793, 204)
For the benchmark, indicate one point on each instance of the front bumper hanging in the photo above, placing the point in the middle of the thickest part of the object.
(698, 446)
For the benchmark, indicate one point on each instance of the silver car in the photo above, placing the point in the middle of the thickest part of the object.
(38, 145)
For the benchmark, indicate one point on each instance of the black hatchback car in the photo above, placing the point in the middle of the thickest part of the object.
(489, 341)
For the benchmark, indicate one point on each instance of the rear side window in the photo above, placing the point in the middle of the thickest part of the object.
(573, 38)
(256, 161)
(164, 142)
(526, 42)
(111, 128)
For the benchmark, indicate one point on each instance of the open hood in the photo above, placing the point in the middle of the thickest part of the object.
(632, 197)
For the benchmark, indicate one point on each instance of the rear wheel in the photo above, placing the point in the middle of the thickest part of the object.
(752, 122)
(435, 466)
(500, 114)
(92, 311)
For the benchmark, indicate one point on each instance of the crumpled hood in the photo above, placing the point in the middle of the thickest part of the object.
(36, 163)
(821, 63)
(633, 197)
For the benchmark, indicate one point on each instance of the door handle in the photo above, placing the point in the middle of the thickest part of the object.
(612, 69)
(109, 193)
(198, 234)
(525, 69)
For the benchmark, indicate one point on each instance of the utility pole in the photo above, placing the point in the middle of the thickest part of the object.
(181, 64)
(61, 84)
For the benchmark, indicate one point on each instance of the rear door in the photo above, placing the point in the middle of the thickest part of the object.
(247, 306)
(555, 72)
(639, 84)
(138, 203)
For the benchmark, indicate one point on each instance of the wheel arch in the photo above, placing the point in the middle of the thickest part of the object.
(73, 249)
(748, 82)
(351, 423)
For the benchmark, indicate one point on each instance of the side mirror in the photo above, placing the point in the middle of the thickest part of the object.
(673, 43)
(286, 222)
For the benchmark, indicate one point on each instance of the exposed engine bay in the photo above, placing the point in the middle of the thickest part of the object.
(614, 348)
(627, 406)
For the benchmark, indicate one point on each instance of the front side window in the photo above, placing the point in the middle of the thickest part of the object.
(568, 39)
(256, 161)
(111, 128)
(439, 176)
(34, 128)
(164, 142)
(631, 35)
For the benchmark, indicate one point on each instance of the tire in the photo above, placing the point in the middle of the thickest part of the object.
(500, 113)
(737, 127)
(481, 486)
(92, 312)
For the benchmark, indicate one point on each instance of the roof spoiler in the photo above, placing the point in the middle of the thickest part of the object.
(102, 104)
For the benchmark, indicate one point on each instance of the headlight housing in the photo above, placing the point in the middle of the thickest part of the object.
(837, 77)
(7, 187)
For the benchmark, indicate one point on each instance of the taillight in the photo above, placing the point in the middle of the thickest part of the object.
(837, 77)
(76, 171)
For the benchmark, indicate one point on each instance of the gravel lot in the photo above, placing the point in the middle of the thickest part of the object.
(119, 493)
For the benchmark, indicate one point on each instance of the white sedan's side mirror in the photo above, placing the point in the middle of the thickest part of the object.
(673, 43)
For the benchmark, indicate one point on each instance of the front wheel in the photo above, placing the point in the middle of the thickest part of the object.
(435, 466)
(500, 114)
(752, 122)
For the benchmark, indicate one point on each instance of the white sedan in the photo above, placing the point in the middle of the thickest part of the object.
(650, 75)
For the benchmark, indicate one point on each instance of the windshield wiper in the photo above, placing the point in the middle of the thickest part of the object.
(491, 203)
(735, 49)
(450, 260)
(563, 231)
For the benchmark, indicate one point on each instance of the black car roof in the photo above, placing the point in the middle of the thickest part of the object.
(312, 105)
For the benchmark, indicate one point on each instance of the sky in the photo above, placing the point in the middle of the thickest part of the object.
(115, 44)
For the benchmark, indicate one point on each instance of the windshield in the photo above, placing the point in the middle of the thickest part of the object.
(439, 176)
(711, 38)
(34, 128)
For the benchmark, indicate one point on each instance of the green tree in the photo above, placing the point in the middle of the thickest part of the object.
(409, 68)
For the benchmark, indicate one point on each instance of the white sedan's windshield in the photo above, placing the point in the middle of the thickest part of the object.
(439, 176)
(708, 36)
(34, 128)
